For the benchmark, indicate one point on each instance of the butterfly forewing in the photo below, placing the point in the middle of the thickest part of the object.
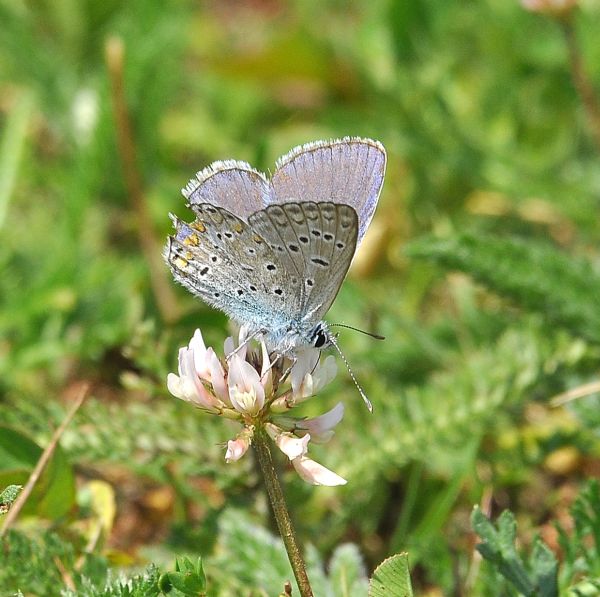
(318, 242)
(220, 258)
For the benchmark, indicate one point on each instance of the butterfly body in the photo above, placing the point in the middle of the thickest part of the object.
(273, 253)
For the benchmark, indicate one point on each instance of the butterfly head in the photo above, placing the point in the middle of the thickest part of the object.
(320, 336)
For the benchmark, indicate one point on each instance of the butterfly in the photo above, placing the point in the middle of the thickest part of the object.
(272, 253)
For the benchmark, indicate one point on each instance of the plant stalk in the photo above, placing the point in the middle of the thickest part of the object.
(280, 511)
(581, 80)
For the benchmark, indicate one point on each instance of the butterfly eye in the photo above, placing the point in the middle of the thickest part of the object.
(320, 339)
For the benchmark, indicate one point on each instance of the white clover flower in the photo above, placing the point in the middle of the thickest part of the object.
(248, 387)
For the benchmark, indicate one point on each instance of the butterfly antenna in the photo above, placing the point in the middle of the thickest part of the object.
(349, 327)
(360, 390)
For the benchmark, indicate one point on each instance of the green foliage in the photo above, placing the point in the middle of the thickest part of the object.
(541, 278)
(581, 546)
(8, 496)
(54, 494)
(391, 577)
(188, 579)
(485, 132)
(538, 576)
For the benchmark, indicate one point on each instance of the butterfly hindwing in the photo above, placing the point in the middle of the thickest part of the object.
(318, 244)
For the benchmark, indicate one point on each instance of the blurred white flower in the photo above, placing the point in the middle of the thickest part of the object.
(551, 7)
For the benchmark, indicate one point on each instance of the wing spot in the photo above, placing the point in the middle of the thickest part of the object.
(319, 261)
(229, 235)
(251, 251)
(340, 245)
(303, 239)
(316, 233)
(293, 247)
(257, 239)
(271, 267)
(219, 236)
(310, 282)
(328, 237)
(214, 258)
(204, 270)
(240, 292)
(278, 291)
(199, 226)
(192, 240)
(216, 294)
(253, 288)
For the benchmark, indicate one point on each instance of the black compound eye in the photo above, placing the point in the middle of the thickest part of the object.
(320, 339)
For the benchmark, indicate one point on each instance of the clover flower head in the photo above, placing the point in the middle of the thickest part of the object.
(259, 390)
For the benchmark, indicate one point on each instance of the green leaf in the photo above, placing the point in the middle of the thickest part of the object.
(391, 578)
(8, 496)
(499, 549)
(188, 578)
(54, 493)
(541, 278)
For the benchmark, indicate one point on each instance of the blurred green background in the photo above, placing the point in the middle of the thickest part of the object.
(489, 148)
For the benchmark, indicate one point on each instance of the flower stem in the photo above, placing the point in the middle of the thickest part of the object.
(280, 511)
(581, 79)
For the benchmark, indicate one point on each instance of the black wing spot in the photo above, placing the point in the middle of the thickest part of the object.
(316, 233)
(204, 271)
(214, 258)
(278, 291)
(219, 236)
(303, 239)
(280, 248)
(310, 282)
(319, 261)
(340, 245)
(251, 251)
(240, 292)
(229, 235)
(271, 267)
(328, 237)
(293, 247)
(216, 294)
(253, 288)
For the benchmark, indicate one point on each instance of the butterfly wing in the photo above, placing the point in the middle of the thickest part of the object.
(348, 171)
(233, 185)
(316, 242)
(221, 259)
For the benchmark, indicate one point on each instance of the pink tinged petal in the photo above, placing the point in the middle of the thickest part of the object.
(217, 376)
(266, 374)
(316, 474)
(198, 349)
(186, 389)
(292, 446)
(321, 428)
(236, 448)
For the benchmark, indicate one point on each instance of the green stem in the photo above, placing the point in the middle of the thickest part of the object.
(581, 80)
(280, 511)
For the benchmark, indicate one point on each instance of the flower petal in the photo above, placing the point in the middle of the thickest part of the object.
(245, 390)
(316, 474)
(236, 448)
(292, 446)
(321, 428)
